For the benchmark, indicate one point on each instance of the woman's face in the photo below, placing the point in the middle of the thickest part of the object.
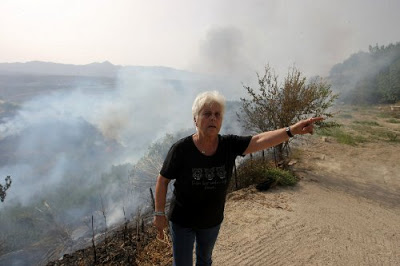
(209, 120)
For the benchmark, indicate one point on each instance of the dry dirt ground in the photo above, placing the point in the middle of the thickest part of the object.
(344, 211)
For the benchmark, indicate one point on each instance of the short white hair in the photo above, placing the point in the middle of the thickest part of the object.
(205, 98)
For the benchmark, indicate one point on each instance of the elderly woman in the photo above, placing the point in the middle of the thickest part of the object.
(201, 165)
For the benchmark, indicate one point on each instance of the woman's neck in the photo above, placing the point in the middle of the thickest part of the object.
(206, 144)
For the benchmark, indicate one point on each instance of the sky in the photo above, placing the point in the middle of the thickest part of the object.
(210, 36)
(234, 38)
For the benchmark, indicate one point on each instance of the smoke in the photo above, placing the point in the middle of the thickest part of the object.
(224, 53)
(223, 50)
(313, 36)
(60, 147)
(52, 133)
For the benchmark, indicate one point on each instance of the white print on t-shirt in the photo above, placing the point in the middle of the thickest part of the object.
(221, 173)
(209, 173)
(197, 173)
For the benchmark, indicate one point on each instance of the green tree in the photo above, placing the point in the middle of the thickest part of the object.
(369, 78)
(273, 106)
(389, 83)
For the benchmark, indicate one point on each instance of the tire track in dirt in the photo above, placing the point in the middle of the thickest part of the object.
(271, 244)
(277, 246)
(365, 248)
(315, 223)
(345, 211)
(288, 240)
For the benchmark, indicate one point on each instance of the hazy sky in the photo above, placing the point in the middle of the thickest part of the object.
(223, 36)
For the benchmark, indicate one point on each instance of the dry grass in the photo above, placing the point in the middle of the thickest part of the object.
(157, 252)
(364, 124)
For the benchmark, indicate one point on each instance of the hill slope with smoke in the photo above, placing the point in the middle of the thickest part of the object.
(69, 140)
(369, 77)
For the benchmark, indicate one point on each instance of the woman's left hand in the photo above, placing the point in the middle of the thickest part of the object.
(305, 126)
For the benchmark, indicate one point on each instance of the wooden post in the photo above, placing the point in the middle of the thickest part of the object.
(236, 178)
(152, 199)
(94, 246)
(125, 225)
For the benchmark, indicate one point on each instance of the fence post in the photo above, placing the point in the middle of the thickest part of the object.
(236, 178)
(152, 199)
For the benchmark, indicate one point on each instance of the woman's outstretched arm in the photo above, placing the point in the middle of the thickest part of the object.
(272, 138)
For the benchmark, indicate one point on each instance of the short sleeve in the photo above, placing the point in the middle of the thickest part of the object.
(239, 143)
(170, 166)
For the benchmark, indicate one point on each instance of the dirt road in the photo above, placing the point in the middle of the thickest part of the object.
(344, 211)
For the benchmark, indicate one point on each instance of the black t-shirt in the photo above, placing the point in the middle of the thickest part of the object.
(201, 181)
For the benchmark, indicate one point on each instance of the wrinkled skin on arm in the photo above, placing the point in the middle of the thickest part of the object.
(161, 222)
(272, 138)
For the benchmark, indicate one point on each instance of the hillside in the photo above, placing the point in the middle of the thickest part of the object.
(344, 210)
(369, 77)
(20, 82)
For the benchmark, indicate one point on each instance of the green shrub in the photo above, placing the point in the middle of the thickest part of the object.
(393, 120)
(249, 172)
(395, 115)
(329, 124)
(347, 116)
(392, 136)
(256, 171)
(341, 136)
(376, 133)
(280, 176)
(367, 123)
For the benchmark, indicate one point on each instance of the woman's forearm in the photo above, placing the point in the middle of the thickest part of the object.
(271, 138)
(266, 140)
(160, 220)
(161, 193)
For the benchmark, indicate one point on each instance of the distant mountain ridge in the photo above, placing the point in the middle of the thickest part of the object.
(23, 81)
(104, 69)
(48, 68)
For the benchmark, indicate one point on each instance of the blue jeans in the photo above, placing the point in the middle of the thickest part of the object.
(183, 241)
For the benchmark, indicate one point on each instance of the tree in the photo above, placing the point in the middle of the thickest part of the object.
(273, 106)
(388, 82)
(369, 77)
(4, 188)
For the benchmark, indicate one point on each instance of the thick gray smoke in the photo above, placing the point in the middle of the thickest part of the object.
(113, 127)
(224, 51)
(75, 138)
